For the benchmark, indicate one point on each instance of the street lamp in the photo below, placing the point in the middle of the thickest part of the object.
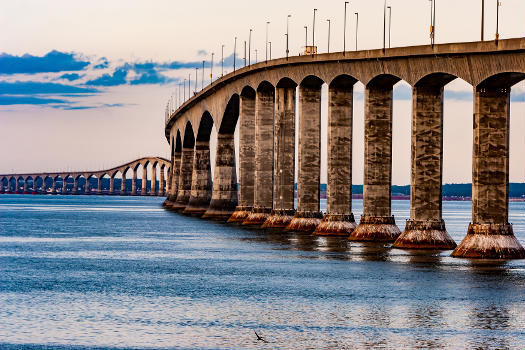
(211, 69)
(389, 23)
(328, 35)
(222, 60)
(384, 26)
(189, 84)
(432, 21)
(498, 4)
(184, 89)
(270, 43)
(344, 31)
(255, 55)
(287, 36)
(313, 31)
(482, 19)
(245, 53)
(266, 47)
(306, 37)
(249, 47)
(196, 71)
(234, 49)
(356, 28)
(202, 80)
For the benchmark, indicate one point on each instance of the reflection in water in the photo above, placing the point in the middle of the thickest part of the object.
(141, 277)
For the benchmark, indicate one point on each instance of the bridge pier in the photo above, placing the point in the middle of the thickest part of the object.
(86, 187)
(377, 224)
(224, 193)
(339, 219)
(64, 185)
(490, 235)
(54, 187)
(112, 185)
(186, 174)
(134, 182)
(123, 189)
(264, 112)
(308, 215)
(284, 156)
(172, 196)
(200, 194)
(246, 156)
(161, 190)
(153, 182)
(426, 227)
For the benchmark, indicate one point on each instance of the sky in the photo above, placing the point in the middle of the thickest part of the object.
(84, 85)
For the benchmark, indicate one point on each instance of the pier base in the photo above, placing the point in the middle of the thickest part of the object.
(279, 218)
(258, 216)
(305, 221)
(490, 241)
(220, 209)
(425, 234)
(375, 229)
(336, 225)
(240, 214)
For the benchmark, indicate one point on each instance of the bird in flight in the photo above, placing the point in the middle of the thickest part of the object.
(259, 337)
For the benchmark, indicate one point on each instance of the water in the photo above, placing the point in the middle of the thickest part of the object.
(92, 272)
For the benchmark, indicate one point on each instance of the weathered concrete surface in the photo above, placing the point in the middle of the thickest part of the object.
(376, 223)
(123, 189)
(153, 182)
(246, 156)
(224, 192)
(186, 173)
(134, 182)
(339, 219)
(308, 215)
(175, 179)
(284, 157)
(264, 110)
(426, 228)
(201, 180)
(490, 235)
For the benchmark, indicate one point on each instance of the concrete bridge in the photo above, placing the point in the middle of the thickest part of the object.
(261, 100)
(29, 183)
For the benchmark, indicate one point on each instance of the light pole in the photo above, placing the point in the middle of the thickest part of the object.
(184, 90)
(249, 47)
(356, 28)
(189, 84)
(306, 37)
(344, 31)
(432, 21)
(482, 19)
(498, 4)
(196, 71)
(222, 60)
(384, 26)
(255, 55)
(270, 43)
(389, 24)
(234, 49)
(313, 31)
(287, 35)
(211, 69)
(266, 47)
(328, 35)
(202, 80)
(245, 53)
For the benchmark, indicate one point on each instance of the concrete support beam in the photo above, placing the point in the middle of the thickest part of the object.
(200, 195)
(53, 187)
(175, 171)
(153, 184)
(377, 224)
(246, 157)
(186, 173)
(26, 187)
(75, 186)
(134, 183)
(490, 235)
(86, 187)
(161, 182)
(99, 185)
(224, 192)
(112, 185)
(64, 185)
(123, 189)
(426, 228)
(264, 109)
(308, 215)
(339, 219)
(144, 186)
(284, 158)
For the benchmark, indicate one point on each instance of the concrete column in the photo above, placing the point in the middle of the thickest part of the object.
(490, 235)
(123, 188)
(426, 228)
(134, 183)
(308, 215)
(175, 171)
(284, 158)
(377, 223)
(186, 174)
(153, 186)
(54, 187)
(75, 186)
(64, 185)
(26, 187)
(99, 184)
(144, 188)
(224, 192)
(246, 158)
(339, 219)
(112, 185)
(264, 109)
(200, 194)
(161, 182)
(86, 187)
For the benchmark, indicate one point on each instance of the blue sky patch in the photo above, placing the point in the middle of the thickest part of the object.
(52, 62)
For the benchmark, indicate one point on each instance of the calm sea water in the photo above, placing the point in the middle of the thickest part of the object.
(88, 272)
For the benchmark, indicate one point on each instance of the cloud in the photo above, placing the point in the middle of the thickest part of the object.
(52, 62)
(202, 52)
(27, 100)
(103, 63)
(117, 78)
(70, 76)
(32, 88)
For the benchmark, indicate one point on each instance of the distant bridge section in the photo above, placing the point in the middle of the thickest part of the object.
(95, 181)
